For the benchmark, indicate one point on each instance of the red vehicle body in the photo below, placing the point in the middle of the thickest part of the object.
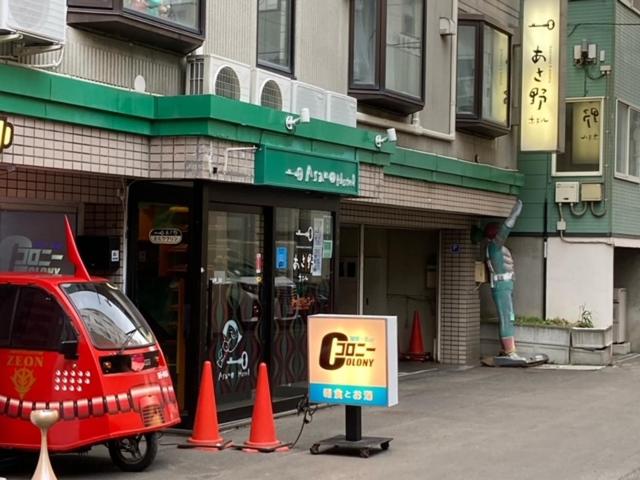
(105, 374)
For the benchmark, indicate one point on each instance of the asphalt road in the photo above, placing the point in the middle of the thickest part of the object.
(478, 423)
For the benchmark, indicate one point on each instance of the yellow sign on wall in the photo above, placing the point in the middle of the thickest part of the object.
(353, 360)
(6, 133)
(541, 79)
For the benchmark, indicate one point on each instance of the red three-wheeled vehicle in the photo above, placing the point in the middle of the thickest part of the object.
(76, 344)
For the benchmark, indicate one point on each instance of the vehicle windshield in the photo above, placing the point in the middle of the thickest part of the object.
(111, 319)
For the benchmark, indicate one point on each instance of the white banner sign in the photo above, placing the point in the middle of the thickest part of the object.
(541, 26)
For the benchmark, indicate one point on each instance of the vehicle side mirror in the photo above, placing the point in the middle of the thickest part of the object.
(69, 348)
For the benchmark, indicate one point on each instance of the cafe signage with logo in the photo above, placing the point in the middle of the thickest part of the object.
(353, 360)
(290, 169)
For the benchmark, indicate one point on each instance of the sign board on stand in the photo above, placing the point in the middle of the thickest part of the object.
(353, 361)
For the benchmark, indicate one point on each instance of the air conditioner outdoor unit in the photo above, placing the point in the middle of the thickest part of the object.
(619, 315)
(270, 90)
(213, 75)
(39, 21)
(311, 97)
(342, 109)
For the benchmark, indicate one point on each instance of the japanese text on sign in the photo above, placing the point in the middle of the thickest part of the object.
(540, 75)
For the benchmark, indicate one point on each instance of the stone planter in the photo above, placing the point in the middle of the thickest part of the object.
(553, 341)
(543, 334)
(592, 338)
(584, 356)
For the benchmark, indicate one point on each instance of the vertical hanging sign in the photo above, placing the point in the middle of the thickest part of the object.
(541, 128)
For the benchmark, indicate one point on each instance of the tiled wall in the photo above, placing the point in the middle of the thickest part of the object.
(459, 299)
(62, 146)
(405, 192)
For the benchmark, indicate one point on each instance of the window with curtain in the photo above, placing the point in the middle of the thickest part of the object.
(275, 35)
(483, 78)
(387, 54)
(628, 142)
(583, 139)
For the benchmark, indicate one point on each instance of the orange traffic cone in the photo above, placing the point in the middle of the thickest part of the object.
(416, 347)
(205, 428)
(262, 437)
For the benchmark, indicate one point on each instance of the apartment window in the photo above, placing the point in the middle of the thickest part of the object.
(275, 35)
(628, 142)
(583, 139)
(387, 54)
(483, 78)
(183, 13)
(174, 25)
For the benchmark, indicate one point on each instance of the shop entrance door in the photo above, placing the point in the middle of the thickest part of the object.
(235, 287)
(160, 281)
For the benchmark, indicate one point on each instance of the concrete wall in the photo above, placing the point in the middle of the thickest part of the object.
(580, 274)
(322, 44)
(627, 275)
(411, 255)
(347, 292)
(113, 62)
(528, 296)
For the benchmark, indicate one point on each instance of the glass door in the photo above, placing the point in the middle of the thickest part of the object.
(162, 246)
(235, 340)
(304, 246)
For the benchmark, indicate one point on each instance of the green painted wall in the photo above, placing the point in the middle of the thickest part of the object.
(580, 82)
(626, 78)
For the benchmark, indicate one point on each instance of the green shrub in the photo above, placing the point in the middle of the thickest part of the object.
(549, 322)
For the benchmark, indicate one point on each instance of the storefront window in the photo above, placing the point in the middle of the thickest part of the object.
(181, 12)
(235, 282)
(34, 242)
(303, 253)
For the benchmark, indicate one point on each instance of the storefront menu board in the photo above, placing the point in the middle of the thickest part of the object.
(353, 360)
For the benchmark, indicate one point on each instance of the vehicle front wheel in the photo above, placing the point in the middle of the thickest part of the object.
(134, 454)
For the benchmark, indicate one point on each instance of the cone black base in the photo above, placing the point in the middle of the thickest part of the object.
(220, 445)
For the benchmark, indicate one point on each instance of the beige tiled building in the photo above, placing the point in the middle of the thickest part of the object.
(228, 219)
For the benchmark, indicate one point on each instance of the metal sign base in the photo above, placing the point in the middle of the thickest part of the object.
(353, 440)
(364, 446)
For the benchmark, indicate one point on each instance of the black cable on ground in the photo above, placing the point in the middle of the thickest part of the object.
(308, 410)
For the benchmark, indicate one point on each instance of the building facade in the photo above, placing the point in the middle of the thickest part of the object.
(175, 134)
(578, 235)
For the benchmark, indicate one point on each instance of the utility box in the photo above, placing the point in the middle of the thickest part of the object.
(567, 192)
(481, 272)
(591, 192)
(619, 315)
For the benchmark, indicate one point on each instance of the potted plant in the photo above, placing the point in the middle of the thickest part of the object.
(590, 345)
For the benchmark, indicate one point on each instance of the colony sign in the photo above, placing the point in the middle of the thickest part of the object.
(353, 360)
(541, 105)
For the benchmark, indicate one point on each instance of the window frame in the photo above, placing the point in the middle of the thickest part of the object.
(475, 123)
(617, 174)
(554, 171)
(166, 23)
(66, 327)
(377, 94)
(287, 72)
(113, 18)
